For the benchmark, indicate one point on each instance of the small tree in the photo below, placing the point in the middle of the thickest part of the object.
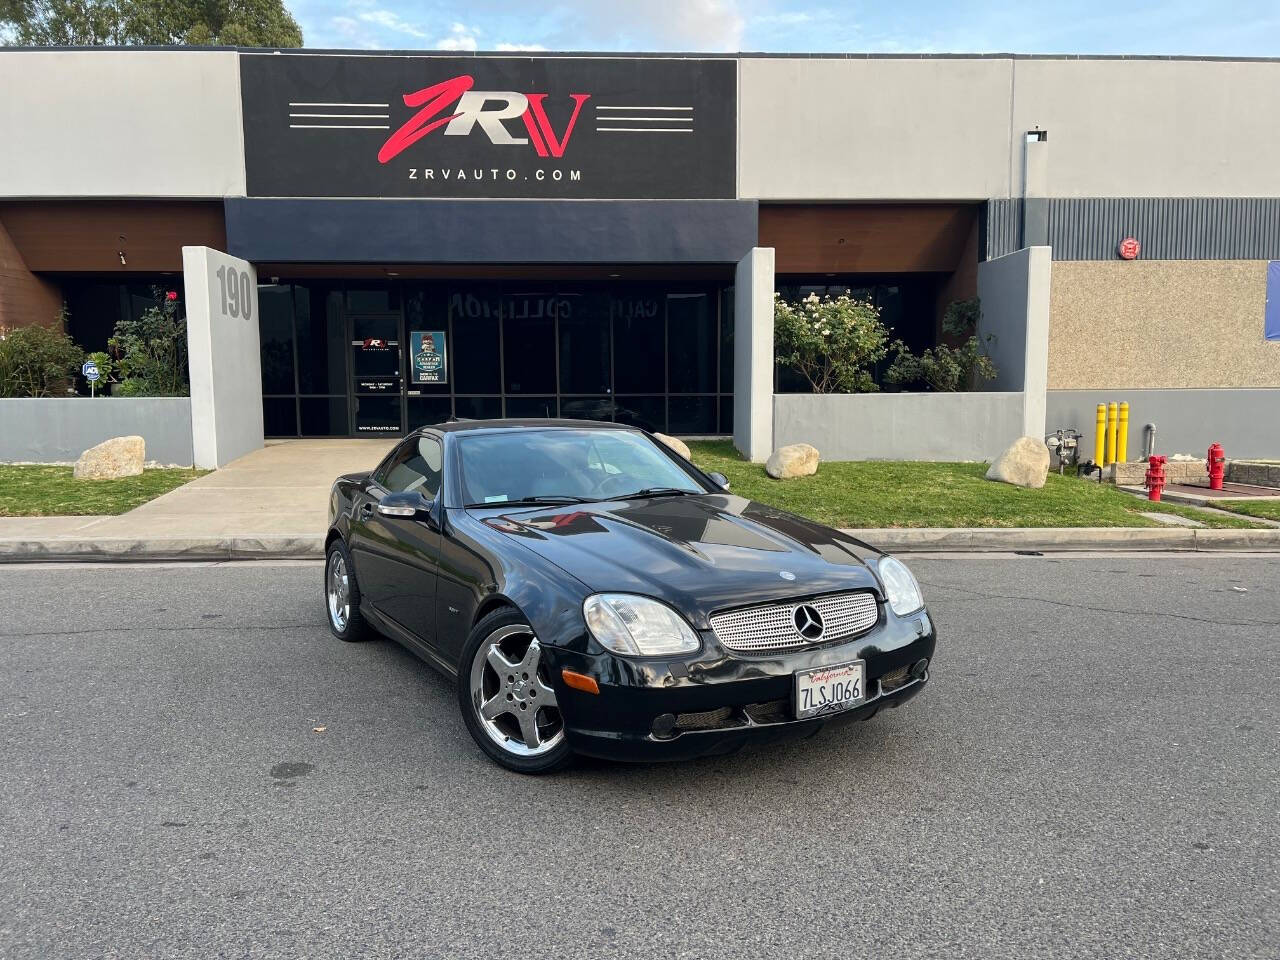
(833, 342)
(152, 350)
(947, 368)
(244, 23)
(37, 361)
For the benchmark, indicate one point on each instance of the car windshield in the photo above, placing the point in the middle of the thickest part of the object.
(571, 465)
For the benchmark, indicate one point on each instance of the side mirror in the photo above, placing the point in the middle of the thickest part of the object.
(410, 505)
(720, 479)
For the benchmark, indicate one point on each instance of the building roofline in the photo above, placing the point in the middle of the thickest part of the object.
(636, 55)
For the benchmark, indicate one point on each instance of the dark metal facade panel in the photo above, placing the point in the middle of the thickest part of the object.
(490, 231)
(1000, 228)
(1169, 228)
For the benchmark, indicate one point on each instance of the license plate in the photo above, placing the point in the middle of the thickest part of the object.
(831, 689)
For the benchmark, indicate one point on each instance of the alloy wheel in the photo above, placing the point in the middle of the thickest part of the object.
(337, 589)
(512, 695)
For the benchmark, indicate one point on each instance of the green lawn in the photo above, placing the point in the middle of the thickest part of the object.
(903, 494)
(52, 491)
(1254, 508)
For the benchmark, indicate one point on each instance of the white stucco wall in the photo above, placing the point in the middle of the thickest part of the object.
(1152, 128)
(59, 429)
(876, 128)
(899, 426)
(898, 129)
(113, 123)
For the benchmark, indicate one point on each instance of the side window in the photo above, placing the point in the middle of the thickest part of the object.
(414, 466)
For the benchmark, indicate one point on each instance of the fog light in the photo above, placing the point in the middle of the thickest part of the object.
(664, 725)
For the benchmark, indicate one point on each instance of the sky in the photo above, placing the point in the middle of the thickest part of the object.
(1204, 28)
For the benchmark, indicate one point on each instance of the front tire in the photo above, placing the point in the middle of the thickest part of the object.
(506, 697)
(342, 595)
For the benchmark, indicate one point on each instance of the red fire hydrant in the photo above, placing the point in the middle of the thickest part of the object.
(1155, 477)
(1217, 466)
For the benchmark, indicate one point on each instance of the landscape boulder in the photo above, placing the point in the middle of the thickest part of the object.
(793, 460)
(117, 457)
(1024, 464)
(679, 446)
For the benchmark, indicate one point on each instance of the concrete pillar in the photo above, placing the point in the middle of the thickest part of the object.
(1036, 363)
(225, 357)
(753, 355)
(1014, 290)
(1035, 189)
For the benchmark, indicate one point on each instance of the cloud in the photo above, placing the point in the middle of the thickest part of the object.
(519, 46)
(392, 21)
(460, 37)
(352, 33)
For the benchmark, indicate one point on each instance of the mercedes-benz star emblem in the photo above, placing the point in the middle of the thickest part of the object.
(808, 622)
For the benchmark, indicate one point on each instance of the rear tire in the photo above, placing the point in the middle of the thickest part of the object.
(342, 595)
(506, 696)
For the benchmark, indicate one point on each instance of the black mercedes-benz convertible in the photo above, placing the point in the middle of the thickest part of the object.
(594, 592)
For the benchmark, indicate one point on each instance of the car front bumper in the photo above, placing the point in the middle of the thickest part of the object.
(719, 701)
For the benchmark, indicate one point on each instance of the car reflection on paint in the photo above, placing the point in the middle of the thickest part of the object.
(590, 591)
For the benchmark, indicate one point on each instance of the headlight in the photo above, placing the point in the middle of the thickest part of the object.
(637, 626)
(900, 587)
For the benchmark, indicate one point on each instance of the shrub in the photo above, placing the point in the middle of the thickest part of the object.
(151, 350)
(37, 361)
(106, 367)
(946, 368)
(833, 342)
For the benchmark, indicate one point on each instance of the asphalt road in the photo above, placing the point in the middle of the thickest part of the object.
(1093, 772)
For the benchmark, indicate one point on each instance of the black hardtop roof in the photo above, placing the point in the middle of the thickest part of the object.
(530, 423)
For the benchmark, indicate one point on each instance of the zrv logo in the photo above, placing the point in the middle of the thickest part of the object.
(487, 109)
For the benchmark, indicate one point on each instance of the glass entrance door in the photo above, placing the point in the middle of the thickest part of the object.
(377, 372)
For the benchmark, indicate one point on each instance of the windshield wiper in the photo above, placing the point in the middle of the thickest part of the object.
(656, 492)
(553, 499)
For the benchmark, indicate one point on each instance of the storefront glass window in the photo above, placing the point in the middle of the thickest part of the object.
(275, 326)
(352, 359)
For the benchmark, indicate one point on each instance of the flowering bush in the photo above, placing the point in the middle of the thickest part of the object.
(37, 361)
(946, 368)
(833, 342)
(152, 350)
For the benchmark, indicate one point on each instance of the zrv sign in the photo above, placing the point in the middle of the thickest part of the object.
(440, 126)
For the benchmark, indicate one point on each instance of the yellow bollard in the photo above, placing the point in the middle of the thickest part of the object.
(1113, 417)
(1122, 434)
(1100, 435)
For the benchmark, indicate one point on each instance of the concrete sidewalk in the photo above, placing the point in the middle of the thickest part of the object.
(270, 503)
(273, 503)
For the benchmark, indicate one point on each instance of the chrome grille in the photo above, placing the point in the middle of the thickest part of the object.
(771, 626)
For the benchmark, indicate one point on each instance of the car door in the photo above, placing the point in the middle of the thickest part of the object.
(397, 558)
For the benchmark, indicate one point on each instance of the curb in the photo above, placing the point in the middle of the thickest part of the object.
(1060, 539)
(900, 540)
(123, 550)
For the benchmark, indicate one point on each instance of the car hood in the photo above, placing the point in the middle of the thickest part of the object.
(699, 553)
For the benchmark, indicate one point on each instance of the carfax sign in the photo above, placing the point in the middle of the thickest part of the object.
(320, 125)
(427, 360)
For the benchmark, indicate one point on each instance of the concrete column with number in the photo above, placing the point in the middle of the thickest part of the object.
(224, 355)
(753, 355)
